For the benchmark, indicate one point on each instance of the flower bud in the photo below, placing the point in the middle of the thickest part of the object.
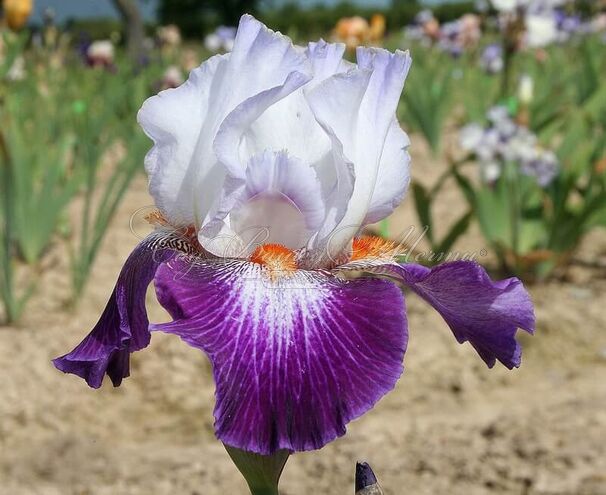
(366, 481)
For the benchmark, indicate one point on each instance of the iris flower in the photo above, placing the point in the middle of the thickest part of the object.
(266, 164)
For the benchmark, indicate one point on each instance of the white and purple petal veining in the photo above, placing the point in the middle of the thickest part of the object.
(295, 358)
(123, 326)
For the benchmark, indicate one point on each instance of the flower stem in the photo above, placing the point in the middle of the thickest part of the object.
(261, 472)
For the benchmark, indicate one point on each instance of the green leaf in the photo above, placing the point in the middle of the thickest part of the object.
(423, 207)
(457, 230)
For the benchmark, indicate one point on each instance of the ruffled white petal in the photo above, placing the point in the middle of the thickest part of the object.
(185, 174)
(296, 140)
(174, 120)
(357, 109)
(287, 123)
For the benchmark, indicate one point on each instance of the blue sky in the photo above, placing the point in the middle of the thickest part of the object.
(104, 8)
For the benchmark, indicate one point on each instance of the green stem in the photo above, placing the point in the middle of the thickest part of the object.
(261, 472)
(444, 176)
(8, 296)
(514, 195)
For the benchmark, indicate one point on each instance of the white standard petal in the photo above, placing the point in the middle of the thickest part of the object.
(393, 176)
(470, 137)
(357, 109)
(286, 124)
(185, 175)
(174, 120)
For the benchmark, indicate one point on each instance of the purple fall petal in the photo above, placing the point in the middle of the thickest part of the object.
(478, 310)
(295, 358)
(123, 326)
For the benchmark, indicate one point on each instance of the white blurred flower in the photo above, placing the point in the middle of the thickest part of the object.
(526, 89)
(172, 78)
(212, 43)
(471, 136)
(491, 59)
(17, 70)
(497, 114)
(490, 171)
(100, 53)
(169, 35)
(505, 5)
(222, 39)
(532, 5)
(503, 141)
(541, 29)
(296, 140)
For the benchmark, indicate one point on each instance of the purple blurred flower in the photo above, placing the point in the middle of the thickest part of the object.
(222, 39)
(492, 58)
(306, 148)
(501, 141)
(543, 166)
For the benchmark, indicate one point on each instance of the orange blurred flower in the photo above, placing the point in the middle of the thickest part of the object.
(16, 12)
(355, 31)
(377, 28)
(352, 31)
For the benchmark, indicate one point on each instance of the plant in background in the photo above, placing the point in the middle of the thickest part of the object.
(102, 128)
(427, 103)
(13, 188)
(262, 184)
(533, 205)
(66, 162)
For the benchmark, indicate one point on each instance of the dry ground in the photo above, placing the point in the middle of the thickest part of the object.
(451, 426)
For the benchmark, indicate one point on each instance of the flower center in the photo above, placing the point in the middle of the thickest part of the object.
(275, 257)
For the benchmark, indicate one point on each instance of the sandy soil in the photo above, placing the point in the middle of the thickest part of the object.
(450, 426)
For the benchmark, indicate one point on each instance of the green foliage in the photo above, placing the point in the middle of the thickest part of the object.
(95, 28)
(427, 97)
(195, 17)
(311, 22)
(536, 230)
(50, 163)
